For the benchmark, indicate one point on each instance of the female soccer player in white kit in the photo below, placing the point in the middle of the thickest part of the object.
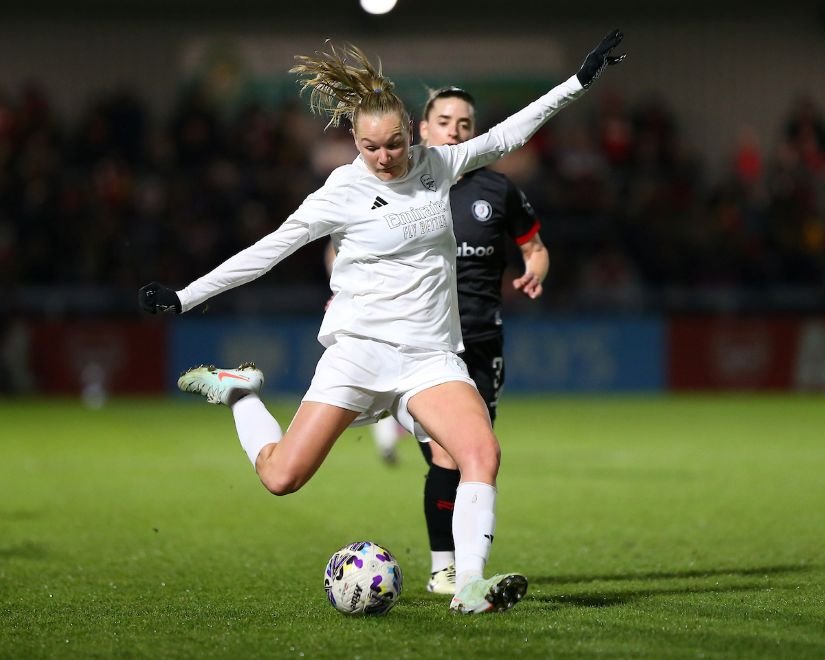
(392, 330)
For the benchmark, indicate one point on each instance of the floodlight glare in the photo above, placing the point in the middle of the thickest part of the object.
(377, 6)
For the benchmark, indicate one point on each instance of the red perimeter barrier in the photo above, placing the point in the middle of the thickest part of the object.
(121, 356)
(717, 353)
(702, 353)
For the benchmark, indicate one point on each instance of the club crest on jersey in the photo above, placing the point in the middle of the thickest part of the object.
(482, 210)
(428, 182)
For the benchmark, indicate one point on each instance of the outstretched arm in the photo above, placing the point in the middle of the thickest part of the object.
(517, 129)
(247, 265)
(316, 217)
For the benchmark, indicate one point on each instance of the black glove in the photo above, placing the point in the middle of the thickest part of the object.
(155, 297)
(600, 57)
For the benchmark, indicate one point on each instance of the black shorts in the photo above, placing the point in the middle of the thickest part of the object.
(485, 362)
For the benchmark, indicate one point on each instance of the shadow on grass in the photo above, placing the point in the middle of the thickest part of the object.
(611, 599)
(20, 514)
(674, 575)
(624, 597)
(26, 550)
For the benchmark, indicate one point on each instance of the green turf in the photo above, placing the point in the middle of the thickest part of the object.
(673, 527)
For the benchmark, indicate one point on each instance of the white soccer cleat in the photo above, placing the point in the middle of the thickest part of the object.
(443, 581)
(495, 594)
(217, 385)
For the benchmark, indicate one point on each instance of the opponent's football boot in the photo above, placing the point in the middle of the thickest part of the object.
(495, 594)
(443, 581)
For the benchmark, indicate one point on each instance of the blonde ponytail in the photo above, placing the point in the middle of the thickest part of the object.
(340, 89)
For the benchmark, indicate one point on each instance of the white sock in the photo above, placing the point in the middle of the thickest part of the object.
(256, 426)
(474, 523)
(441, 559)
(386, 433)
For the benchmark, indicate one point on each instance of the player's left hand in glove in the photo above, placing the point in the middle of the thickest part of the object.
(155, 297)
(599, 58)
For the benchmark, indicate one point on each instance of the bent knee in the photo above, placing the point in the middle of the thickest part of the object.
(279, 483)
(492, 458)
(482, 458)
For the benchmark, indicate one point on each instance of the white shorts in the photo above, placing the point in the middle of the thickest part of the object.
(376, 378)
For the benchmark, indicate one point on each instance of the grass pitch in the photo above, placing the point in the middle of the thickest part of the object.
(673, 527)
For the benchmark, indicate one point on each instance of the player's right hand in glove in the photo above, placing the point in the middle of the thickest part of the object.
(154, 298)
(599, 58)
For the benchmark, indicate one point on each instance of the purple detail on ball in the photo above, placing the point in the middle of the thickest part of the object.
(381, 557)
(376, 580)
(358, 562)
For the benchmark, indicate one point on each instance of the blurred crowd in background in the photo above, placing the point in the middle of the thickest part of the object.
(631, 216)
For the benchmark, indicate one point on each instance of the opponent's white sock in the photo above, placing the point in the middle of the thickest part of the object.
(256, 426)
(474, 523)
(441, 559)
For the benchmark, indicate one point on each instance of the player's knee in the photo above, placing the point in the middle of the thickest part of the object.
(481, 459)
(493, 457)
(280, 482)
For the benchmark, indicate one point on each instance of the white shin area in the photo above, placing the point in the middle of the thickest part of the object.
(256, 426)
(474, 524)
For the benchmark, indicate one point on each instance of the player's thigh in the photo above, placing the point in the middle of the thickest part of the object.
(305, 445)
(454, 415)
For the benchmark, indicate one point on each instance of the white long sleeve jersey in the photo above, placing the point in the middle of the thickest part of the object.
(394, 273)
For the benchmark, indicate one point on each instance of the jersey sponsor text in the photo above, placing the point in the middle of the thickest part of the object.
(436, 208)
(465, 250)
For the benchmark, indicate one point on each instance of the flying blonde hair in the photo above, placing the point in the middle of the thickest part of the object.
(343, 90)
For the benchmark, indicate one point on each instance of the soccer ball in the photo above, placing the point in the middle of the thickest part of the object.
(363, 578)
